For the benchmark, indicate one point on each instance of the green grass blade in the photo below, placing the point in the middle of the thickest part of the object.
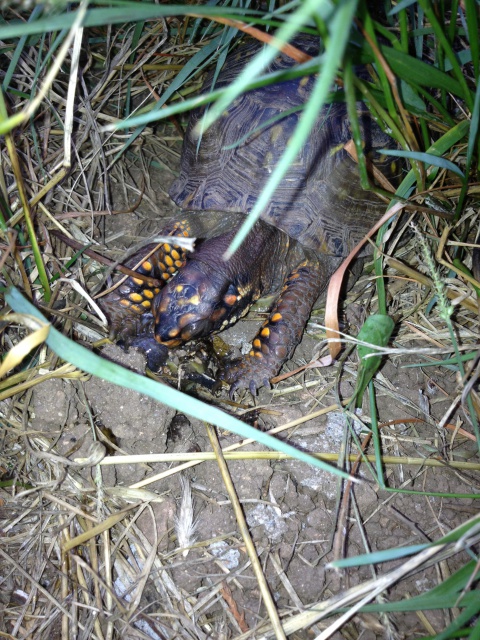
(18, 51)
(463, 618)
(127, 12)
(465, 93)
(471, 18)
(427, 158)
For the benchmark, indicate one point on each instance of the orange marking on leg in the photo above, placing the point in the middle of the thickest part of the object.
(216, 315)
(276, 317)
(230, 299)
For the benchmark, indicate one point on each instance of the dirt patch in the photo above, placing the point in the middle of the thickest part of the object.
(292, 509)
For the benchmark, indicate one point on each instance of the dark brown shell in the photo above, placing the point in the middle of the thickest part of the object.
(320, 201)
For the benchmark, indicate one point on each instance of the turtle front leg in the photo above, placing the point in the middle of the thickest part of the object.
(280, 334)
(129, 305)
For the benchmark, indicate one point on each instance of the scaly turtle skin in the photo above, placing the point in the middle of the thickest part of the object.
(316, 216)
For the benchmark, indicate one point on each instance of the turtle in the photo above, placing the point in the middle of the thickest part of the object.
(316, 216)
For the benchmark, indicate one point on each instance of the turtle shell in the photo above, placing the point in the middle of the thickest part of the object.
(320, 201)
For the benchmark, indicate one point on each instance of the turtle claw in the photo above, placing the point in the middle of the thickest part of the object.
(246, 373)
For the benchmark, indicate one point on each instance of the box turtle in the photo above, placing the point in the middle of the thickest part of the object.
(316, 216)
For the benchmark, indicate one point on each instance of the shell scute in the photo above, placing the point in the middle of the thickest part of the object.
(320, 201)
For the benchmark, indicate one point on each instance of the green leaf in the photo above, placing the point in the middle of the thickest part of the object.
(376, 330)
(427, 158)
(426, 75)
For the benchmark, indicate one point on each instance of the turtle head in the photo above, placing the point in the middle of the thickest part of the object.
(196, 302)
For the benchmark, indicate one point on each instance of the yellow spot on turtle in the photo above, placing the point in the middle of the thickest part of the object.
(186, 319)
(125, 303)
(135, 297)
(258, 354)
(137, 309)
(146, 304)
(276, 317)
(257, 343)
(165, 276)
(179, 288)
(148, 293)
(265, 332)
(243, 291)
(178, 264)
(275, 133)
(268, 160)
(252, 353)
(194, 300)
(334, 150)
(169, 261)
(138, 282)
(164, 305)
(167, 248)
(173, 333)
(147, 265)
(162, 267)
(175, 254)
